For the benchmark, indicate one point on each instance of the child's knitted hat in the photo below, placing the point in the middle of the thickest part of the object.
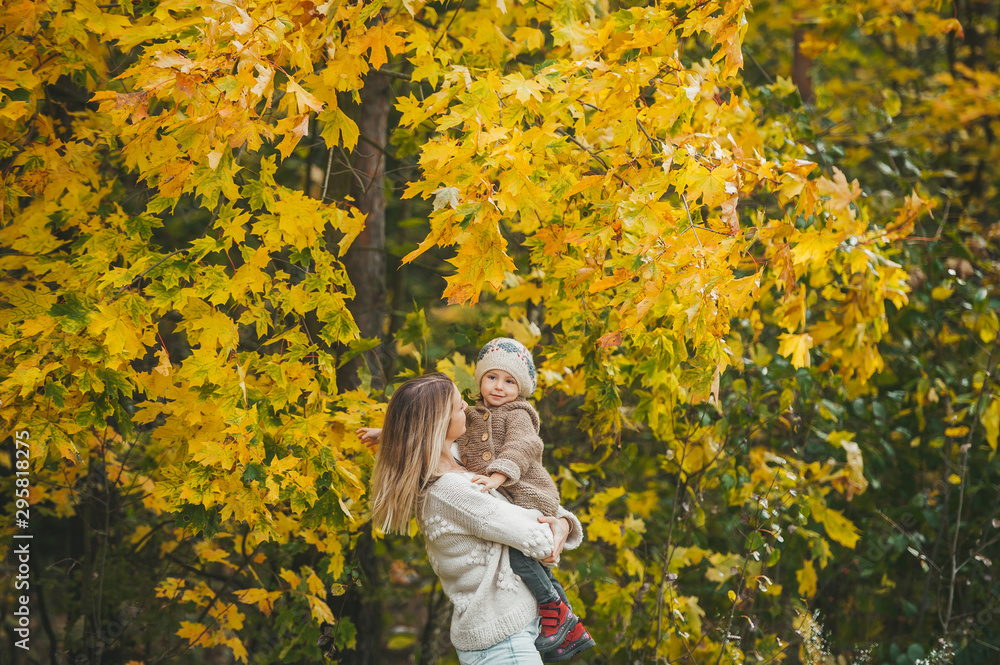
(512, 357)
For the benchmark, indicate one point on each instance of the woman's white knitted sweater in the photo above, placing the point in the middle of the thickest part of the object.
(466, 531)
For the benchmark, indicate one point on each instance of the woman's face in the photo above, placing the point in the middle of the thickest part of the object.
(456, 425)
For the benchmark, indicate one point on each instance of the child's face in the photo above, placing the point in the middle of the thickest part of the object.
(498, 387)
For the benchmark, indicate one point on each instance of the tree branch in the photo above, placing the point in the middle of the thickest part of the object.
(590, 152)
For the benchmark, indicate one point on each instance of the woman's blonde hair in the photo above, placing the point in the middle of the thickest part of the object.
(413, 436)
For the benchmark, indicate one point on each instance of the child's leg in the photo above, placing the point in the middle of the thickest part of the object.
(534, 576)
(556, 585)
(576, 640)
(556, 618)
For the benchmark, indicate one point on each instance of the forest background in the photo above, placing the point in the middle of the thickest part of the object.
(754, 249)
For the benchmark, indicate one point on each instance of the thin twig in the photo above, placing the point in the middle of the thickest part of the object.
(953, 550)
(607, 169)
(305, 327)
(347, 163)
(393, 74)
(446, 28)
(107, 534)
(204, 613)
(326, 176)
(990, 646)
(746, 562)
(146, 272)
(767, 76)
(666, 567)
(372, 143)
(977, 552)
(691, 221)
(649, 138)
(911, 538)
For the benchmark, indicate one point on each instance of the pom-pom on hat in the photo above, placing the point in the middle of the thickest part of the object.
(512, 357)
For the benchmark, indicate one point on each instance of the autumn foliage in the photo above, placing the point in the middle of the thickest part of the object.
(744, 321)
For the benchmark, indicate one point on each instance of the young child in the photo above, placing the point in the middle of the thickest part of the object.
(501, 445)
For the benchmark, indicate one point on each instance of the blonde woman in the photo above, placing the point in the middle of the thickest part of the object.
(467, 532)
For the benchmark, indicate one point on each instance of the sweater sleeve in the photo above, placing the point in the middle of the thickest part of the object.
(486, 516)
(575, 529)
(521, 446)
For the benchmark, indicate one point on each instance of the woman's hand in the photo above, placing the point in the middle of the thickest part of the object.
(560, 532)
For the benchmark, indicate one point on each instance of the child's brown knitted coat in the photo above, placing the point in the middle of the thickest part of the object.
(505, 439)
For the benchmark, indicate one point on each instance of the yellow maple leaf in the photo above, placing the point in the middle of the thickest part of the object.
(315, 584)
(530, 39)
(337, 128)
(207, 552)
(164, 366)
(523, 89)
(611, 532)
(796, 347)
(783, 87)
(941, 292)
(714, 185)
(347, 511)
(173, 178)
(282, 465)
(335, 568)
(304, 101)
(232, 617)
(855, 463)
(840, 192)
(806, 576)
(290, 577)
(838, 527)
(239, 651)
(378, 39)
(350, 223)
(120, 334)
(251, 277)
(320, 610)
(816, 247)
(617, 277)
(29, 303)
(195, 633)
(262, 597)
(481, 258)
(293, 128)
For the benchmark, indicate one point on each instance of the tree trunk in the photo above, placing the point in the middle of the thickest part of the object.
(366, 605)
(365, 263)
(800, 69)
(365, 260)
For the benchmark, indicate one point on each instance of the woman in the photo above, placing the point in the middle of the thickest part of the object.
(495, 618)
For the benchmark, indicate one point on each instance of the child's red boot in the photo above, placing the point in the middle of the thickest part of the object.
(577, 640)
(557, 620)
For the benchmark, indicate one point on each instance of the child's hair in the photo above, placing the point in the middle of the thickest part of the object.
(413, 436)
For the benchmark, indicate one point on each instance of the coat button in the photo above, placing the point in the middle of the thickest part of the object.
(465, 460)
(486, 416)
(486, 436)
(487, 456)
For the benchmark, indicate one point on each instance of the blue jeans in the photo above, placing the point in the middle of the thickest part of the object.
(518, 649)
